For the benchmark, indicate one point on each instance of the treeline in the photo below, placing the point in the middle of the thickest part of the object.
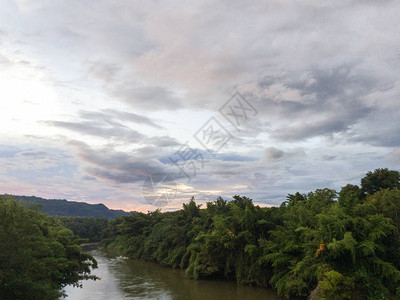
(85, 227)
(38, 255)
(322, 245)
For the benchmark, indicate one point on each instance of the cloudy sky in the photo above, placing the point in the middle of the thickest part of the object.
(98, 97)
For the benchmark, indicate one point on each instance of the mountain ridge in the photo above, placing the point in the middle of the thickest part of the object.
(63, 207)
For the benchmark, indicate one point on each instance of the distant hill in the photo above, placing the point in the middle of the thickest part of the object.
(55, 207)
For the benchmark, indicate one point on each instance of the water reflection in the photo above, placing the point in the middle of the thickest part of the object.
(127, 279)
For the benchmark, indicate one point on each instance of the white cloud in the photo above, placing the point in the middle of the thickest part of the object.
(134, 80)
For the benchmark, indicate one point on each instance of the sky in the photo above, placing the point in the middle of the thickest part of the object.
(144, 104)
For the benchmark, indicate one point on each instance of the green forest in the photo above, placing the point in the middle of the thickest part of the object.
(38, 255)
(322, 245)
(85, 227)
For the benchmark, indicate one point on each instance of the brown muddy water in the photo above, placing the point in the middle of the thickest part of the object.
(123, 278)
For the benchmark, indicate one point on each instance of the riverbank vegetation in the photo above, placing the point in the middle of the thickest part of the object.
(85, 227)
(322, 245)
(38, 256)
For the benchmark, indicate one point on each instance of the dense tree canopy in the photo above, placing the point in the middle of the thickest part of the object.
(85, 227)
(38, 256)
(380, 179)
(323, 244)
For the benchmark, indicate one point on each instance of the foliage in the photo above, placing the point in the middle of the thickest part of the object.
(323, 244)
(38, 256)
(380, 179)
(85, 227)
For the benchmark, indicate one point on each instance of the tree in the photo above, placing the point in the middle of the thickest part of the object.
(350, 195)
(380, 179)
(312, 245)
(85, 227)
(38, 256)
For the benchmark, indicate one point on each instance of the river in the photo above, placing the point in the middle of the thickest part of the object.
(122, 278)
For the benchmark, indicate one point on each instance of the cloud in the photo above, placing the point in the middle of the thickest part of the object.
(394, 156)
(272, 153)
(147, 97)
(112, 117)
(118, 167)
(162, 141)
(89, 128)
(323, 77)
(322, 103)
(381, 129)
(108, 124)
